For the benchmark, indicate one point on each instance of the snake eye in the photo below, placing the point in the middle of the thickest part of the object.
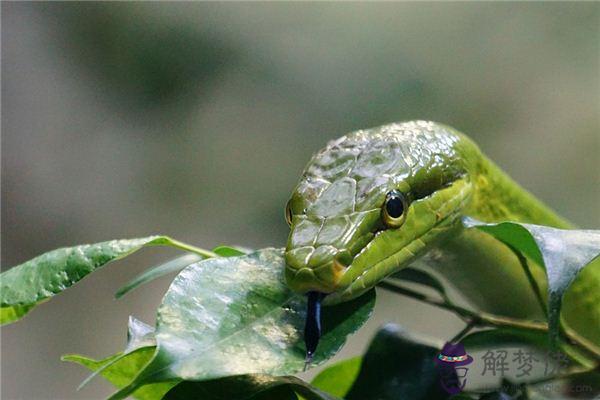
(288, 214)
(394, 208)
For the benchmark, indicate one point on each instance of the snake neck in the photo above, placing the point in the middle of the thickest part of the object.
(496, 197)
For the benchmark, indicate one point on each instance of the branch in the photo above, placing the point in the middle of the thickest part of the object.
(486, 319)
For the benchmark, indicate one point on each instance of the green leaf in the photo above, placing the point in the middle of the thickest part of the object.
(120, 370)
(504, 337)
(338, 378)
(28, 284)
(247, 387)
(158, 271)
(236, 316)
(14, 313)
(230, 251)
(139, 335)
(396, 366)
(563, 254)
(176, 265)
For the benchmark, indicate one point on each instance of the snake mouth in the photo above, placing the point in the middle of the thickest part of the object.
(322, 278)
(320, 250)
(362, 253)
(390, 250)
(379, 270)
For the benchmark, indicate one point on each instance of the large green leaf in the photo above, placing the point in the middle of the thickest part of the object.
(36, 280)
(396, 366)
(246, 387)
(337, 379)
(235, 316)
(121, 368)
(563, 254)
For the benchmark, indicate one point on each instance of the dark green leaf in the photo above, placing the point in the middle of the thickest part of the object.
(245, 387)
(497, 337)
(504, 337)
(37, 280)
(158, 271)
(397, 366)
(563, 254)
(235, 316)
(338, 378)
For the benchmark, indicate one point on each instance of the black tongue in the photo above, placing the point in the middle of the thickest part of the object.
(312, 327)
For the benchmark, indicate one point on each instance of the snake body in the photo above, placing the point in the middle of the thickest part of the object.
(344, 240)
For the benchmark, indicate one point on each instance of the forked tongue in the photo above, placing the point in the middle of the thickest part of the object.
(312, 326)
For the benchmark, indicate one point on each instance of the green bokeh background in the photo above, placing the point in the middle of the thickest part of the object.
(195, 120)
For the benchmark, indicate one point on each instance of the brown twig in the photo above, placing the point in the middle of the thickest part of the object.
(491, 320)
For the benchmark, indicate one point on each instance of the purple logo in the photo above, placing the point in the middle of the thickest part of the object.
(450, 363)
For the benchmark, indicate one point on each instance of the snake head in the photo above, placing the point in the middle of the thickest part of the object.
(370, 202)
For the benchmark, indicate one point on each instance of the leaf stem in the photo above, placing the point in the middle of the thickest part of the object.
(468, 328)
(486, 319)
(530, 278)
(188, 247)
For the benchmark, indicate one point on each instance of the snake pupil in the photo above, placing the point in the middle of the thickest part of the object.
(394, 207)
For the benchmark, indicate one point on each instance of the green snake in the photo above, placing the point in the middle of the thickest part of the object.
(377, 200)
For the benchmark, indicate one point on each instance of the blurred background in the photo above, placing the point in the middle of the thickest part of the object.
(195, 120)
